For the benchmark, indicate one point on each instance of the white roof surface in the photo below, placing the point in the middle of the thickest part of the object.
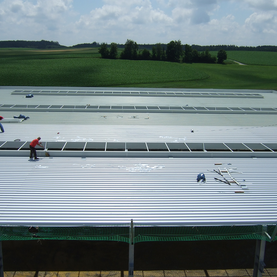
(74, 191)
(93, 191)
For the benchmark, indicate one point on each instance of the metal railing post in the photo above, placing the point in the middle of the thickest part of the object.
(1, 261)
(131, 250)
(274, 233)
(259, 255)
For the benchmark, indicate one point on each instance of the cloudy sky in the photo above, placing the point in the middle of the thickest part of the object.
(203, 22)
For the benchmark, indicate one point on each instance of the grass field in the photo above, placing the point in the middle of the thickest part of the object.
(85, 68)
(254, 58)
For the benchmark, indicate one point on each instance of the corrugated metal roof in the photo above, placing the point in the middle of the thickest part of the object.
(93, 191)
(63, 191)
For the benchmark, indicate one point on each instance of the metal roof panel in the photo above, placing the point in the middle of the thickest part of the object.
(156, 191)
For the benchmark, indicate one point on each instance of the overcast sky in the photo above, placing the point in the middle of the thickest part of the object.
(203, 22)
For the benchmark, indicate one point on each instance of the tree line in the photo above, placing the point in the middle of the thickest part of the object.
(43, 44)
(174, 51)
(268, 48)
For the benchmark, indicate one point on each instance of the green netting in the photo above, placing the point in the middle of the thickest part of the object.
(66, 233)
(271, 230)
(141, 233)
(144, 234)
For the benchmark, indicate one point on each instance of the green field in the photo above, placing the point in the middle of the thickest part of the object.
(254, 58)
(85, 68)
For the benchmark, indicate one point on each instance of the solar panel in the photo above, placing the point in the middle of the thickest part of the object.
(140, 93)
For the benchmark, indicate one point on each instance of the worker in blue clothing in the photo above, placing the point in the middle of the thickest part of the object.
(1, 126)
(201, 178)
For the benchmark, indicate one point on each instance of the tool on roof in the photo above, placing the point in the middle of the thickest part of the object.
(224, 179)
(230, 180)
(45, 151)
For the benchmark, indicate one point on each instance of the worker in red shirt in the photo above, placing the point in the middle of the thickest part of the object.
(33, 151)
(1, 126)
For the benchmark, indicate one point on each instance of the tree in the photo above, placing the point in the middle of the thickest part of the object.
(195, 56)
(174, 51)
(221, 56)
(170, 51)
(113, 51)
(104, 51)
(206, 57)
(188, 54)
(161, 56)
(145, 55)
(130, 51)
(154, 53)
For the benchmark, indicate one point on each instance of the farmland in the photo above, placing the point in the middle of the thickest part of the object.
(85, 68)
(254, 58)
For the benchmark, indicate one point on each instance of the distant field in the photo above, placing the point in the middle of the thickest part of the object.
(85, 68)
(254, 58)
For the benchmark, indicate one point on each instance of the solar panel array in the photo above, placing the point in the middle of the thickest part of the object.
(139, 108)
(137, 93)
(64, 148)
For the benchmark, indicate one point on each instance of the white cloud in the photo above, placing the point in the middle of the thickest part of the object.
(25, 9)
(31, 20)
(181, 15)
(262, 4)
(218, 31)
(200, 16)
(193, 3)
(226, 30)
(262, 23)
(238, 22)
(124, 3)
(135, 19)
(194, 11)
